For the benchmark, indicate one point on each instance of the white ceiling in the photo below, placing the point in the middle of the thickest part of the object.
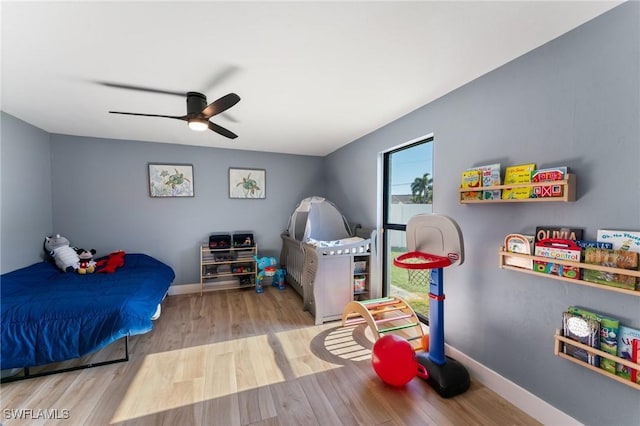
(313, 76)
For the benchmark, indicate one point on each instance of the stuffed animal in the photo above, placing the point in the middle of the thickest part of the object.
(110, 263)
(63, 254)
(86, 264)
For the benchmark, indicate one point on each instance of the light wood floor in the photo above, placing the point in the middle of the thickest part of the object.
(239, 358)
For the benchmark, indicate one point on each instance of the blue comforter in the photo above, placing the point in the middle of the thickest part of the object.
(49, 315)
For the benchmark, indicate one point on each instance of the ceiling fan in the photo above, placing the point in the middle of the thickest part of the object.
(198, 112)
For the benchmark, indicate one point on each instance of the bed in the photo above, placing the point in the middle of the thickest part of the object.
(319, 252)
(48, 315)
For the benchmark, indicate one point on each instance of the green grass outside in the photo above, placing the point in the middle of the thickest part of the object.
(414, 293)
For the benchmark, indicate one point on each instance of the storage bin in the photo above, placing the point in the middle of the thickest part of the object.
(359, 283)
(243, 239)
(220, 240)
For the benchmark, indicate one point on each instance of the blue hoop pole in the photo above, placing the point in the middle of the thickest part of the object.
(436, 317)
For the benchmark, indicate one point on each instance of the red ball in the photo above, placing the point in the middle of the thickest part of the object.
(394, 360)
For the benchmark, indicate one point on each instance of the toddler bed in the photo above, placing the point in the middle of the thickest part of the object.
(50, 316)
(318, 252)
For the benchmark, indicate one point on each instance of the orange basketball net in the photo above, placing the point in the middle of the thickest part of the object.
(419, 260)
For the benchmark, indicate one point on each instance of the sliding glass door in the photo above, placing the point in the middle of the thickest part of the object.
(407, 190)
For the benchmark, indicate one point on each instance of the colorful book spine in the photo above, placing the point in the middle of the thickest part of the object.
(558, 249)
(626, 336)
(517, 174)
(621, 240)
(490, 177)
(471, 178)
(635, 357)
(518, 243)
(613, 258)
(583, 330)
(548, 175)
(609, 328)
(558, 232)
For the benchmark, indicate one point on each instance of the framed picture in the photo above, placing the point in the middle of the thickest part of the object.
(247, 183)
(170, 180)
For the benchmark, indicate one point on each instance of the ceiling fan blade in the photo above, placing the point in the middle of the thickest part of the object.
(183, 117)
(220, 105)
(222, 131)
(141, 88)
(221, 77)
(229, 117)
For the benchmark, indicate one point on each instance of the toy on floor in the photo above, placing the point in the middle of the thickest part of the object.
(394, 360)
(267, 267)
(435, 242)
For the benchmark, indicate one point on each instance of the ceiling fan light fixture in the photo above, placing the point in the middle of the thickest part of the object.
(198, 124)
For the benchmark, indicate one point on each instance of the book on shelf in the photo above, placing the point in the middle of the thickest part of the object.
(585, 244)
(558, 232)
(620, 259)
(548, 175)
(471, 178)
(517, 174)
(621, 240)
(518, 243)
(626, 337)
(635, 357)
(608, 329)
(582, 330)
(558, 249)
(490, 177)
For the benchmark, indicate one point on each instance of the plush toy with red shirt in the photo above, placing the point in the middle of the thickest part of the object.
(109, 264)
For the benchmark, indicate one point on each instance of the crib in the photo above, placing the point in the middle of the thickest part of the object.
(320, 254)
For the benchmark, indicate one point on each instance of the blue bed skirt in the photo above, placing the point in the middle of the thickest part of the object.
(50, 316)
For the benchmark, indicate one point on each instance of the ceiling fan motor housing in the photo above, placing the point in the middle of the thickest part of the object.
(196, 102)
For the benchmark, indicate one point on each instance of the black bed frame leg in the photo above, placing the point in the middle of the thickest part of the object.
(28, 375)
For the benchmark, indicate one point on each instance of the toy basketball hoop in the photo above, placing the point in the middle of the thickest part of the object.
(419, 260)
(433, 243)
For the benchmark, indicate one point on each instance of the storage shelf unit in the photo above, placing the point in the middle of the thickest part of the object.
(219, 268)
(503, 253)
(569, 192)
(560, 340)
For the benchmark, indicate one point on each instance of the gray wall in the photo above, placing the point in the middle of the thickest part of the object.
(101, 198)
(25, 192)
(575, 102)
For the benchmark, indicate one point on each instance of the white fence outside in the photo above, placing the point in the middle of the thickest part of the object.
(401, 213)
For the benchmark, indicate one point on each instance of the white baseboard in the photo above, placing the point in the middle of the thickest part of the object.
(520, 397)
(175, 290)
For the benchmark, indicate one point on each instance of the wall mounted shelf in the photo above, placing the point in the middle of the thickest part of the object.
(503, 253)
(560, 340)
(569, 192)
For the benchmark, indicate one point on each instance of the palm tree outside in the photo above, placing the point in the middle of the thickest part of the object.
(422, 190)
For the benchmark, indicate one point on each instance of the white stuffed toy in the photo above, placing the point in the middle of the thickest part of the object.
(64, 255)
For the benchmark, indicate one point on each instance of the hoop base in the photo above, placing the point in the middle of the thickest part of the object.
(449, 379)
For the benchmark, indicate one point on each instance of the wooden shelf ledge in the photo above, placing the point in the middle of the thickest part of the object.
(557, 350)
(569, 192)
(503, 253)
